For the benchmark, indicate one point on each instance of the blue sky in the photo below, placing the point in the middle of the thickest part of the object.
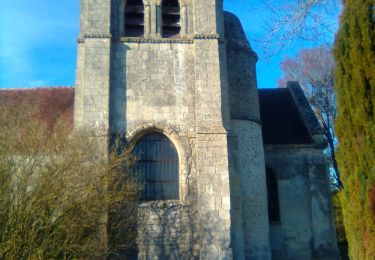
(38, 42)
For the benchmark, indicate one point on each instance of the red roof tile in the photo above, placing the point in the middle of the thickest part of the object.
(52, 103)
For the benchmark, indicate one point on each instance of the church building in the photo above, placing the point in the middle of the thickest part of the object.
(230, 171)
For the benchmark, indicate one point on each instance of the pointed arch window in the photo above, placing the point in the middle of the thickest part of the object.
(157, 167)
(273, 197)
(134, 18)
(171, 17)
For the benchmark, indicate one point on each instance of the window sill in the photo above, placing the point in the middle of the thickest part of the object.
(161, 204)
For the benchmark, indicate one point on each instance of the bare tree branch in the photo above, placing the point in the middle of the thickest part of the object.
(292, 20)
(314, 70)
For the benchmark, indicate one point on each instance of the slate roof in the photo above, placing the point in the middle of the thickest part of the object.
(286, 116)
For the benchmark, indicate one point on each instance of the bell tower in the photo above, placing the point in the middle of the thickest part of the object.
(149, 66)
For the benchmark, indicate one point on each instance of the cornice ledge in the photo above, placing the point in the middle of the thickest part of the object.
(156, 40)
(213, 36)
(247, 118)
(97, 36)
(207, 36)
(307, 146)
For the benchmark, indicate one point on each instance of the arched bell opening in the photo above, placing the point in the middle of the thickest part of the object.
(171, 16)
(134, 18)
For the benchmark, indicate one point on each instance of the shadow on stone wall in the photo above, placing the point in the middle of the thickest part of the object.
(167, 230)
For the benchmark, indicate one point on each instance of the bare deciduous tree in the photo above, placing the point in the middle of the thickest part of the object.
(314, 70)
(60, 196)
(291, 20)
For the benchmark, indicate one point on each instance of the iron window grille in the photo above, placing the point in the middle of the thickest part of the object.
(157, 167)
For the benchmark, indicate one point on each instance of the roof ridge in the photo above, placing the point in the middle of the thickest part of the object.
(272, 89)
(37, 88)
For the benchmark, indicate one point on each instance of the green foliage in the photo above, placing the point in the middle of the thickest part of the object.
(340, 230)
(355, 86)
(59, 195)
(339, 223)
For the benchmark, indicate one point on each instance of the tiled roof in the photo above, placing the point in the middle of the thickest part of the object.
(51, 103)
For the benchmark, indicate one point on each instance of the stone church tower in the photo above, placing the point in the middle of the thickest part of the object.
(179, 76)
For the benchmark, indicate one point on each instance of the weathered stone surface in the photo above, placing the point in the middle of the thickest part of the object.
(167, 230)
(305, 229)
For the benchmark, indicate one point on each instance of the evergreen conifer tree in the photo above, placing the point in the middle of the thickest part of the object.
(355, 126)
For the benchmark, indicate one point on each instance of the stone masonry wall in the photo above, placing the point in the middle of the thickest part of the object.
(248, 160)
(306, 229)
(167, 230)
(249, 213)
(153, 82)
(174, 86)
(153, 90)
(93, 66)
